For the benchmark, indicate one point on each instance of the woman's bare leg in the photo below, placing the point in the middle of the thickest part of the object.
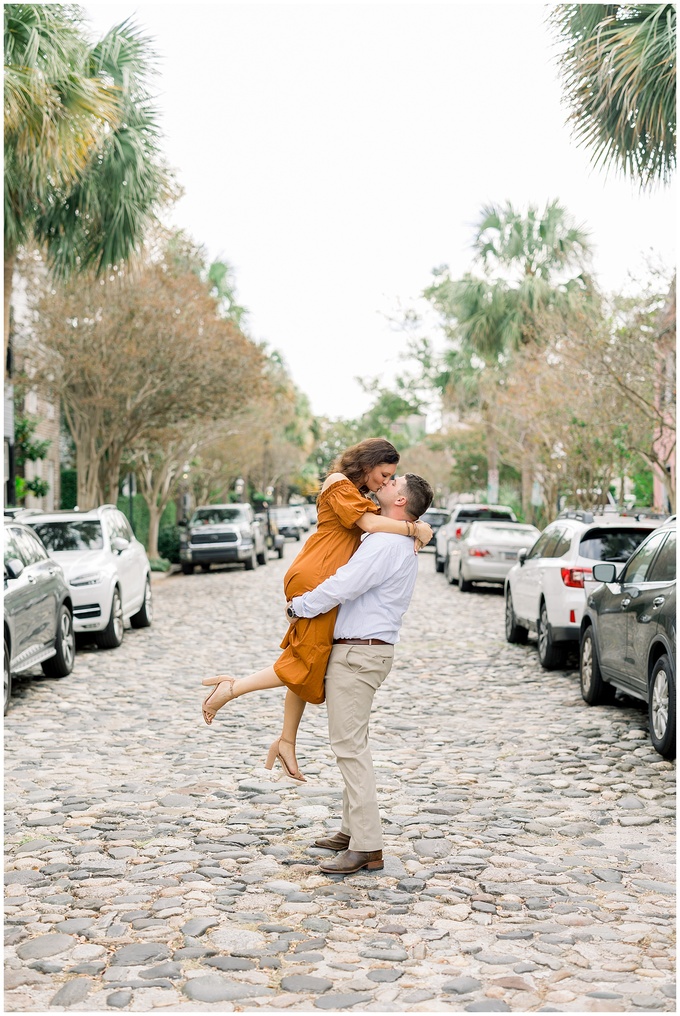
(293, 709)
(229, 689)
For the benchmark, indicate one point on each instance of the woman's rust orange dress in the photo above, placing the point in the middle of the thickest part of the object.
(307, 643)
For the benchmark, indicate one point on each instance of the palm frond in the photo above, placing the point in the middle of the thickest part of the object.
(618, 64)
(83, 170)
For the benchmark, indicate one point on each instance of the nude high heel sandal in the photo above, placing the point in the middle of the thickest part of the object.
(275, 754)
(205, 708)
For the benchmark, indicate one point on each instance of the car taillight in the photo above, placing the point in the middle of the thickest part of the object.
(459, 530)
(478, 552)
(575, 577)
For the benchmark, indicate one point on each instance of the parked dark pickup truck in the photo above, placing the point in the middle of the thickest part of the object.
(221, 534)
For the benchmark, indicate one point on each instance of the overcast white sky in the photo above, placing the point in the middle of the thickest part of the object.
(335, 153)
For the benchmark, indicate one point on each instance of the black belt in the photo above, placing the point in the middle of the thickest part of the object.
(361, 642)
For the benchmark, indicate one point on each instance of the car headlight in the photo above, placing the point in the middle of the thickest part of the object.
(89, 579)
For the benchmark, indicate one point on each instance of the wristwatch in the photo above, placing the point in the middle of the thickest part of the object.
(290, 612)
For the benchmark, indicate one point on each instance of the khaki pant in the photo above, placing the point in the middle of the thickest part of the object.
(353, 676)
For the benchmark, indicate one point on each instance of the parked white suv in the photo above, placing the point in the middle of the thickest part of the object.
(545, 591)
(105, 566)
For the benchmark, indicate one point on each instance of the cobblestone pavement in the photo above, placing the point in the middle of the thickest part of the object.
(152, 862)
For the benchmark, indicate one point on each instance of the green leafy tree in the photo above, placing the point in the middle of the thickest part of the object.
(83, 172)
(618, 64)
(28, 448)
(135, 355)
(222, 279)
(533, 262)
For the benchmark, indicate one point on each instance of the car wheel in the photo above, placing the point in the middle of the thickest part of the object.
(550, 654)
(112, 636)
(144, 616)
(594, 690)
(205, 567)
(262, 558)
(513, 632)
(662, 708)
(8, 679)
(62, 664)
(463, 584)
(438, 565)
(187, 569)
(250, 563)
(280, 552)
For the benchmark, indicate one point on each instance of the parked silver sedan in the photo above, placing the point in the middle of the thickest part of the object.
(486, 551)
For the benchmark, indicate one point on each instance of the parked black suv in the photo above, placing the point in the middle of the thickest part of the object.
(628, 634)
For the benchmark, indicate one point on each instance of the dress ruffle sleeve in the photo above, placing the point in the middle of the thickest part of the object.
(347, 503)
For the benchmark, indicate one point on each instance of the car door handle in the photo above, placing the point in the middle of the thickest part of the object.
(52, 571)
(658, 601)
(30, 578)
(624, 603)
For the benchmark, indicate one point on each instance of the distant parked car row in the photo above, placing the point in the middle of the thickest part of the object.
(235, 533)
(69, 573)
(600, 583)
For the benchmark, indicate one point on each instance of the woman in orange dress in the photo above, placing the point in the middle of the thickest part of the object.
(344, 513)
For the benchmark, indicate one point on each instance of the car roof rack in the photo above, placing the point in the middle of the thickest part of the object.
(643, 513)
(578, 514)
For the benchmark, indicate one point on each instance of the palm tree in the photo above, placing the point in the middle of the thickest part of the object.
(82, 167)
(618, 68)
(542, 256)
(533, 262)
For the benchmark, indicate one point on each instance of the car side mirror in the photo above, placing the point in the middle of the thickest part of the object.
(120, 544)
(604, 572)
(522, 555)
(13, 568)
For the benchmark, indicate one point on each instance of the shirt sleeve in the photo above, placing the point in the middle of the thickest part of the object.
(348, 504)
(368, 567)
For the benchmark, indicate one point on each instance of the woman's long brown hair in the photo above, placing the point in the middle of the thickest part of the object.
(361, 458)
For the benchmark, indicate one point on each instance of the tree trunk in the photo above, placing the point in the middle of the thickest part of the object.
(491, 455)
(87, 467)
(109, 475)
(154, 525)
(10, 260)
(527, 489)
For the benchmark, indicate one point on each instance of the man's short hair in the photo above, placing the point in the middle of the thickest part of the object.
(419, 495)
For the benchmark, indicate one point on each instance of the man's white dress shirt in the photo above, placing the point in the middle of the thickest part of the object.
(373, 589)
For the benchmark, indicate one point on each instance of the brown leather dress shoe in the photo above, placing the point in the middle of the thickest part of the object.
(353, 860)
(336, 841)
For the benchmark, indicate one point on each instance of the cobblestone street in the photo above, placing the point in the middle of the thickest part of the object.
(153, 863)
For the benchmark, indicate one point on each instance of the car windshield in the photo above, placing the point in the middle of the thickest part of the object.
(213, 516)
(502, 532)
(70, 535)
(610, 544)
(435, 519)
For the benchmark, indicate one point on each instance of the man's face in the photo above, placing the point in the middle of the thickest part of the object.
(391, 491)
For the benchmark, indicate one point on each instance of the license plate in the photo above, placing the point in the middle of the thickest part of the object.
(510, 555)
